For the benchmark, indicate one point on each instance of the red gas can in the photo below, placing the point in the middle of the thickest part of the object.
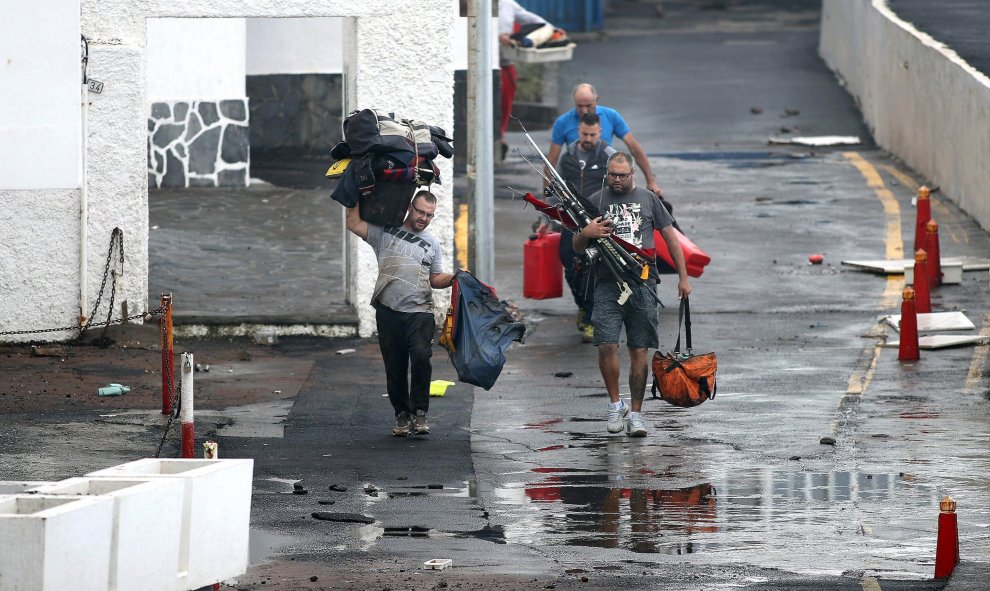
(543, 275)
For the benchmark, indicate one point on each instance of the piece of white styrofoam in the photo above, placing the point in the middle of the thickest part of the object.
(951, 274)
(897, 266)
(216, 513)
(55, 543)
(147, 514)
(943, 341)
(935, 321)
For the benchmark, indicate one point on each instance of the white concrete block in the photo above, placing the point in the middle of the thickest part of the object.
(216, 513)
(147, 520)
(13, 487)
(55, 543)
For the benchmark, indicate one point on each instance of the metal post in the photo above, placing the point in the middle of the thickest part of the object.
(167, 356)
(186, 407)
(480, 165)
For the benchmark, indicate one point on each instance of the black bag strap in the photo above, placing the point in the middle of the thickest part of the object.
(683, 317)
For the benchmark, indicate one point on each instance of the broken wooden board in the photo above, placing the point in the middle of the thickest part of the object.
(935, 321)
(943, 341)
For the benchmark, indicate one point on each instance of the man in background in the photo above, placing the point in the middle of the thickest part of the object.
(510, 14)
(565, 131)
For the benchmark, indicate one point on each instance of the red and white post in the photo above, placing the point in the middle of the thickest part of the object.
(186, 407)
(947, 544)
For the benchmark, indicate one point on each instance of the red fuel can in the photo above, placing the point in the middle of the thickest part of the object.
(543, 275)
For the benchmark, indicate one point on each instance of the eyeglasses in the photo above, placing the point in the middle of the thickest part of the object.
(426, 215)
(618, 175)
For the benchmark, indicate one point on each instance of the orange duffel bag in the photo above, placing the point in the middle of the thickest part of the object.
(684, 380)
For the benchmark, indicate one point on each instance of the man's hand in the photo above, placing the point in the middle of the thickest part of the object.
(683, 287)
(654, 188)
(600, 227)
(505, 39)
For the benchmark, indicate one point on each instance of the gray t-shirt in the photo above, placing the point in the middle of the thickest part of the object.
(635, 215)
(406, 259)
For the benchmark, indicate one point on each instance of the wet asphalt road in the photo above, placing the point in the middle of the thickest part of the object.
(522, 487)
(738, 493)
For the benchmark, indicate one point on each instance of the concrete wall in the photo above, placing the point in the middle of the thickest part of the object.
(40, 168)
(920, 99)
(39, 216)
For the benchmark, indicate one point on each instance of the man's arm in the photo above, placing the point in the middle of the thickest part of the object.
(674, 247)
(639, 154)
(355, 224)
(441, 280)
(597, 228)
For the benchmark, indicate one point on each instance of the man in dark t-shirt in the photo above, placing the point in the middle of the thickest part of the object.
(408, 271)
(630, 213)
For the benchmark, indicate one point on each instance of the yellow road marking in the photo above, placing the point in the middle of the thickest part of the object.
(893, 241)
(940, 208)
(461, 236)
(975, 376)
(870, 584)
(894, 247)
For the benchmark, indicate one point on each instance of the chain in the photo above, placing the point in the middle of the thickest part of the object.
(116, 241)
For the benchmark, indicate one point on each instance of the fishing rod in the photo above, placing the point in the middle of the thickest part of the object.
(621, 264)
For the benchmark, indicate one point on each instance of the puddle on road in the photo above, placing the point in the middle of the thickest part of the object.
(745, 513)
(263, 545)
(807, 520)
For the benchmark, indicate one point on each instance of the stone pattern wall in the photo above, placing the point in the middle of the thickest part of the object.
(199, 144)
(295, 112)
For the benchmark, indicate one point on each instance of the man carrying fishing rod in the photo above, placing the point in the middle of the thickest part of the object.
(614, 232)
(629, 213)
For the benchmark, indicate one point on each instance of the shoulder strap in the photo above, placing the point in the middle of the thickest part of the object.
(683, 317)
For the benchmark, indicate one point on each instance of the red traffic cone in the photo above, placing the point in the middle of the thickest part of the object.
(924, 213)
(923, 299)
(947, 546)
(908, 349)
(934, 259)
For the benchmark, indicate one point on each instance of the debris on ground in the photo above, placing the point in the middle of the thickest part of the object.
(343, 517)
(113, 390)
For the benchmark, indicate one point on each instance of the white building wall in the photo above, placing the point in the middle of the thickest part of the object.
(294, 46)
(41, 127)
(306, 46)
(195, 59)
(40, 247)
(40, 78)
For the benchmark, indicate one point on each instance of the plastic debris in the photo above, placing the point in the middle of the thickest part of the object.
(346, 351)
(438, 563)
(113, 390)
(439, 387)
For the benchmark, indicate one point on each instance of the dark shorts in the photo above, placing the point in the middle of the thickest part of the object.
(640, 315)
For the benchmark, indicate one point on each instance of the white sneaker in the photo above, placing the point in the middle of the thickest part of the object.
(615, 419)
(636, 426)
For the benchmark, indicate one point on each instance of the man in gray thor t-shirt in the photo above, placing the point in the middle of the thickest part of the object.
(630, 213)
(408, 271)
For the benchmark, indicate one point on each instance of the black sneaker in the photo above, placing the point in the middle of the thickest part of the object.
(418, 423)
(401, 428)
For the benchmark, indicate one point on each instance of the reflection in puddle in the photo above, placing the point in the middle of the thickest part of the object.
(750, 511)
